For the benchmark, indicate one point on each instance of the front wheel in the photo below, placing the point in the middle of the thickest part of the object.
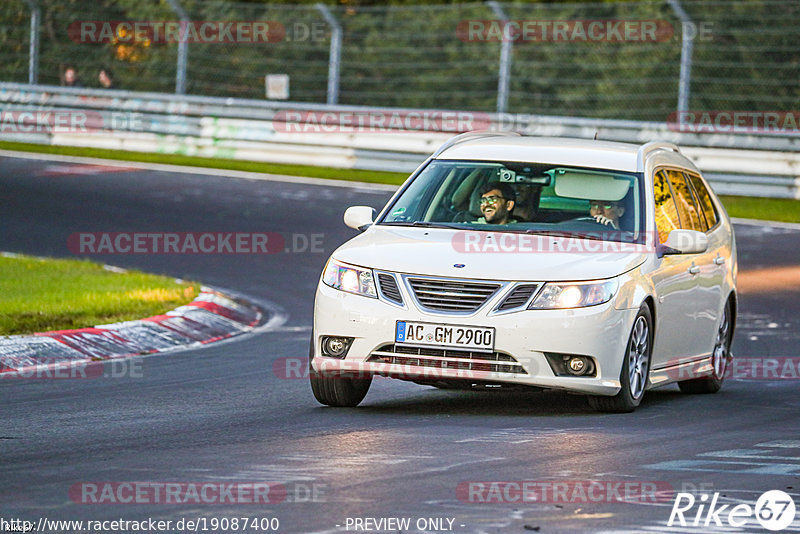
(338, 390)
(635, 368)
(720, 357)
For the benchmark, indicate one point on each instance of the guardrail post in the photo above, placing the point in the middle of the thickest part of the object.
(687, 45)
(183, 47)
(504, 74)
(33, 51)
(335, 55)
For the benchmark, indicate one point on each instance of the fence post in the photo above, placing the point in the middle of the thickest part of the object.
(504, 74)
(334, 59)
(33, 51)
(183, 47)
(687, 45)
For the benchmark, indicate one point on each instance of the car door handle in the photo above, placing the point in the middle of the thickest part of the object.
(719, 260)
(694, 269)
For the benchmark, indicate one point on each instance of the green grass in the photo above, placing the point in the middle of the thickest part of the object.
(310, 171)
(771, 209)
(44, 294)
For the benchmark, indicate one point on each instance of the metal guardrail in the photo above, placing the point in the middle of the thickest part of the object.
(286, 132)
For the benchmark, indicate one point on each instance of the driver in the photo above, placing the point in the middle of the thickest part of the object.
(497, 203)
(606, 212)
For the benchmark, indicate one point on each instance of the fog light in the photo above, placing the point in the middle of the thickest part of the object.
(573, 365)
(578, 365)
(335, 346)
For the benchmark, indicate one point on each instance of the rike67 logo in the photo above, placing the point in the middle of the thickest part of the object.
(774, 510)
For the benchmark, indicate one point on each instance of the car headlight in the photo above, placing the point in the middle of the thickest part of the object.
(558, 295)
(350, 279)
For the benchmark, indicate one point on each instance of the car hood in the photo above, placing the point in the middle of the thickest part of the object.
(488, 255)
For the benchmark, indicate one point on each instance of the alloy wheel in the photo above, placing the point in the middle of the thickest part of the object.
(720, 354)
(639, 357)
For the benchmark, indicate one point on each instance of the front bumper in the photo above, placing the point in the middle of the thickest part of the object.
(600, 332)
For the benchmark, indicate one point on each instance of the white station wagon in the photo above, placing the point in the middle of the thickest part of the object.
(586, 266)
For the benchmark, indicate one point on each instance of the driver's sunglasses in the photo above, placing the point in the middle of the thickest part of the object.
(491, 200)
(604, 205)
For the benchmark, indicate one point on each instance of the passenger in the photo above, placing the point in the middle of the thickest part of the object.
(106, 79)
(71, 77)
(497, 203)
(606, 212)
(526, 204)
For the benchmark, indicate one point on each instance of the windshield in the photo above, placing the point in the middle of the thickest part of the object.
(522, 197)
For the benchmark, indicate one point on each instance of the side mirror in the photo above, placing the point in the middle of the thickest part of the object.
(686, 242)
(359, 217)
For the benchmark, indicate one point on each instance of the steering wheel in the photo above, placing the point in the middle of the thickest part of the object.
(463, 216)
(592, 220)
(588, 223)
(586, 219)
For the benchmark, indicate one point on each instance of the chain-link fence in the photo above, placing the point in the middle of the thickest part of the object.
(626, 60)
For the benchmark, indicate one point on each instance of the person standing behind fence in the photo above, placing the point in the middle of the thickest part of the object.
(71, 77)
(106, 79)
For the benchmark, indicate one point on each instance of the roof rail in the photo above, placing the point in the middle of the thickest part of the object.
(652, 146)
(467, 136)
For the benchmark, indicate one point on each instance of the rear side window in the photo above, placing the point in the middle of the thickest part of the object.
(704, 200)
(666, 214)
(687, 211)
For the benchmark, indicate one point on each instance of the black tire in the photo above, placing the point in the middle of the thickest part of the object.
(720, 358)
(339, 390)
(632, 391)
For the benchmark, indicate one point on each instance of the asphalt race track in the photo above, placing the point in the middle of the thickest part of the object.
(226, 413)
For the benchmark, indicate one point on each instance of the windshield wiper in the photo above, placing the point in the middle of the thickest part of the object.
(614, 236)
(577, 235)
(423, 224)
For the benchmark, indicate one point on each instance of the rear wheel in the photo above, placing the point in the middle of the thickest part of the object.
(720, 357)
(635, 368)
(339, 390)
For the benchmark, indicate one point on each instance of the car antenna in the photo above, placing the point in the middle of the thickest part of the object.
(595, 134)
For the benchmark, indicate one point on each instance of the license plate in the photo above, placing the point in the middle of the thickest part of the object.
(475, 338)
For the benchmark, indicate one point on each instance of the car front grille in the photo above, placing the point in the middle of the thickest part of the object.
(488, 362)
(518, 297)
(389, 288)
(451, 295)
